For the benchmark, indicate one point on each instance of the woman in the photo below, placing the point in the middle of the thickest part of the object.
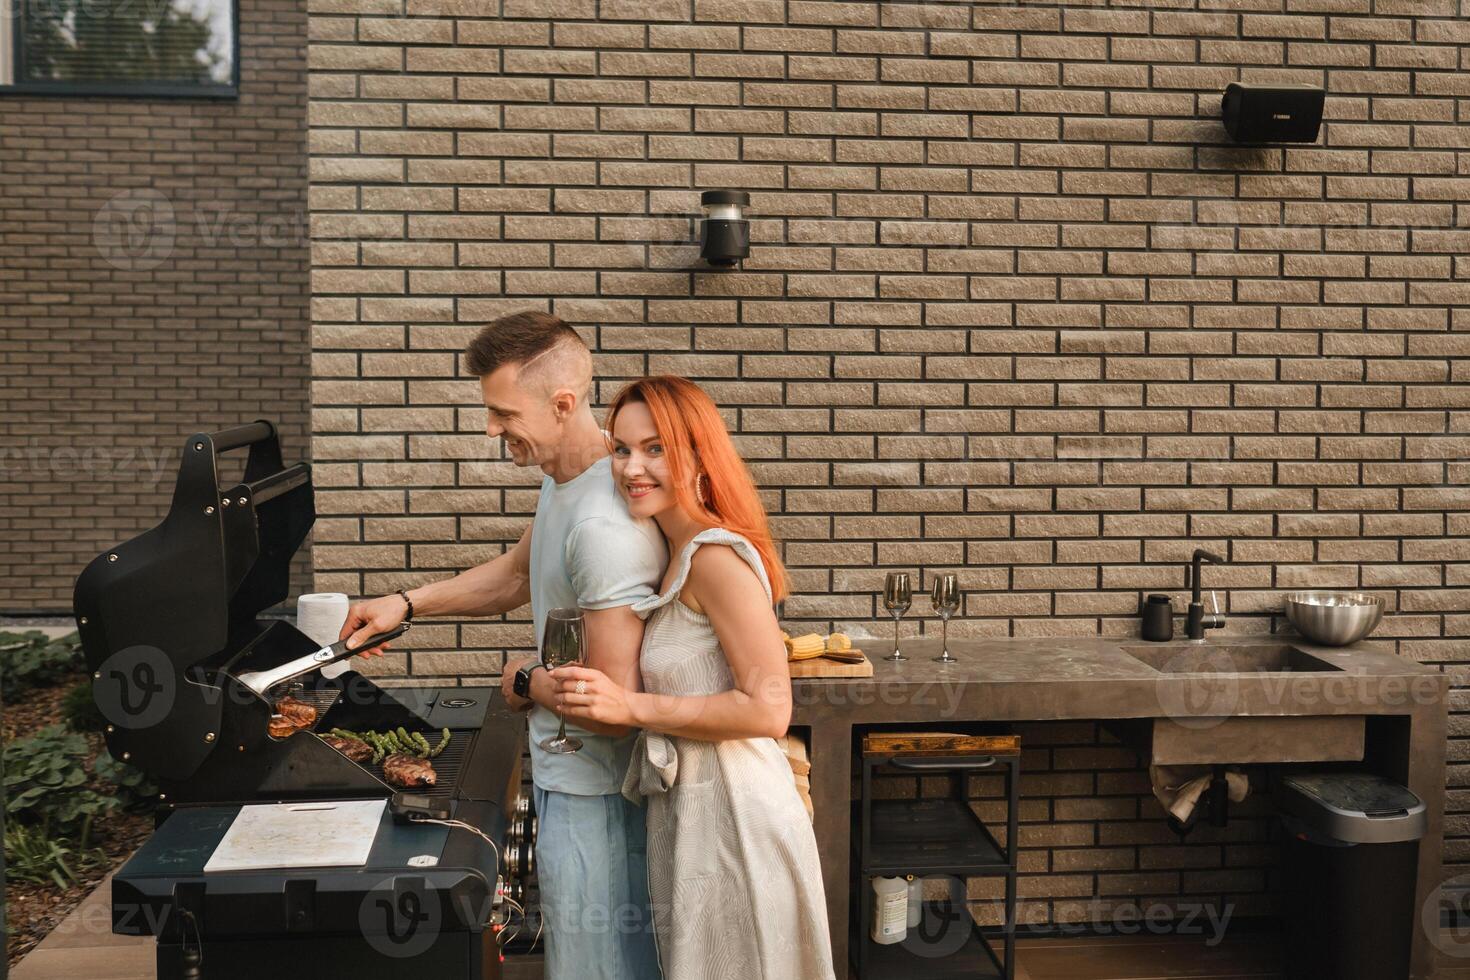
(733, 873)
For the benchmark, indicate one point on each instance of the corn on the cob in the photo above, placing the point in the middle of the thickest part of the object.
(838, 642)
(805, 647)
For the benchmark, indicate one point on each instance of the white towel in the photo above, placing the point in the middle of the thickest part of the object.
(1179, 788)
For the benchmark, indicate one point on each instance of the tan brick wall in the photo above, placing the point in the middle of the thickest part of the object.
(1013, 307)
(153, 283)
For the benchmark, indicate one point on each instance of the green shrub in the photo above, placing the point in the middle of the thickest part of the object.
(136, 793)
(46, 784)
(32, 856)
(80, 710)
(30, 659)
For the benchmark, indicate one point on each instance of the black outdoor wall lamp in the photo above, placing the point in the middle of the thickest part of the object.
(724, 234)
(1272, 113)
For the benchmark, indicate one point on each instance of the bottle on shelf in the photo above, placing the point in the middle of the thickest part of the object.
(890, 910)
(916, 900)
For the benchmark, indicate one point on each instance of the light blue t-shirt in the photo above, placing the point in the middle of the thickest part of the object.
(587, 551)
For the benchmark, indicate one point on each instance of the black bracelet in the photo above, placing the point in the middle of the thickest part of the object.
(408, 618)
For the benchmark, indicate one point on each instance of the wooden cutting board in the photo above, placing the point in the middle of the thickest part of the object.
(819, 667)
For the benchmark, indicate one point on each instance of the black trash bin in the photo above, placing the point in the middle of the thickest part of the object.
(1351, 861)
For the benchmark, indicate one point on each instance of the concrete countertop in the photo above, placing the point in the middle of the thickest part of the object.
(1044, 678)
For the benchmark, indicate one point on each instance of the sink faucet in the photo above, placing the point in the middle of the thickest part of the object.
(1197, 622)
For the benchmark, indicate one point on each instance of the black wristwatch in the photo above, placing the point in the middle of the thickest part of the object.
(522, 684)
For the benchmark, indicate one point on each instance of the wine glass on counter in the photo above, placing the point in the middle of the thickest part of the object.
(946, 599)
(897, 597)
(562, 642)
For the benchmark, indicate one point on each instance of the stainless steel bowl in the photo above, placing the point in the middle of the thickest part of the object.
(1334, 619)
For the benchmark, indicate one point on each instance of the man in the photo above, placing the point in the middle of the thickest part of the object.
(584, 550)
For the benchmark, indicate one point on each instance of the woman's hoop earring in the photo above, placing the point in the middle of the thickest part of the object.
(699, 493)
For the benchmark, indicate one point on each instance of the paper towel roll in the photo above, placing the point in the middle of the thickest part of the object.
(320, 615)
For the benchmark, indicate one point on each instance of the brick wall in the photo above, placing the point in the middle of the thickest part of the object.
(153, 283)
(1013, 307)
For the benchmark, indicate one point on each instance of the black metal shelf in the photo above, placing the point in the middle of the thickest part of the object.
(930, 837)
(936, 837)
(934, 951)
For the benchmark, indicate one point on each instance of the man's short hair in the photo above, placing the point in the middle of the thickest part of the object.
(518, 338)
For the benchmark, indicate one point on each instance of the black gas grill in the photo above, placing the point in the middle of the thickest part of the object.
(170, 622)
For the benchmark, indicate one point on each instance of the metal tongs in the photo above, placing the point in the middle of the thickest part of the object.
(261, 681)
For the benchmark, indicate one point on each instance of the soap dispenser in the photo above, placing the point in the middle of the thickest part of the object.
(1158, 619)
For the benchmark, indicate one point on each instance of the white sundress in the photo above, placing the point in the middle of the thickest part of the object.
(733, 873)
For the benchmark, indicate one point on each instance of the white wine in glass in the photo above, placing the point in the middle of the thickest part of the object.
(563, 642)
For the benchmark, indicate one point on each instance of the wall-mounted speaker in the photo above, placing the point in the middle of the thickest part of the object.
(1272, 113)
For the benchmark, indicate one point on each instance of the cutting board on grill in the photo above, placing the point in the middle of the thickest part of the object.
(819, 667)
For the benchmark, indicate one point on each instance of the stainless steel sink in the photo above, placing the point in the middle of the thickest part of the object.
(1227, 658)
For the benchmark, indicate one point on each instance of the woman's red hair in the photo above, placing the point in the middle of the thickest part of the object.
(695, 438)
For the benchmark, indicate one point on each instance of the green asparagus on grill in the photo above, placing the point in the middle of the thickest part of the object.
(397, 741)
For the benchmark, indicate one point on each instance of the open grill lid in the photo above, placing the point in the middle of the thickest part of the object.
(164, 617)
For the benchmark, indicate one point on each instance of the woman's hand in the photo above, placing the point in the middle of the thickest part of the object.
(601, 700)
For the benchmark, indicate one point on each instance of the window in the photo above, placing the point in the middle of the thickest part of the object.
(120, 47)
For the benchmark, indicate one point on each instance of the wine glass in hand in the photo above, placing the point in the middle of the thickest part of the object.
(563, 641)
(946, 599)
(897, 597)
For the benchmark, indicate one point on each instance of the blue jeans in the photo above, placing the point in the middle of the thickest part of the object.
(592, 867)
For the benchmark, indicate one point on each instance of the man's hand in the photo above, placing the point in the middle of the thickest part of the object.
(368, 619)
(613, 639)
(497, 586)
(507, 685)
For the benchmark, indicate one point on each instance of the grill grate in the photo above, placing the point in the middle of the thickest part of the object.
(447, 765)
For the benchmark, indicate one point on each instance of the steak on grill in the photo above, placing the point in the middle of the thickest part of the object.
(302, 715)
(354, 749)
(281, 726)
(408, 771)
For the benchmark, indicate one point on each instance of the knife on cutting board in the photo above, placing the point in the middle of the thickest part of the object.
(851, 656)
(261, 681)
